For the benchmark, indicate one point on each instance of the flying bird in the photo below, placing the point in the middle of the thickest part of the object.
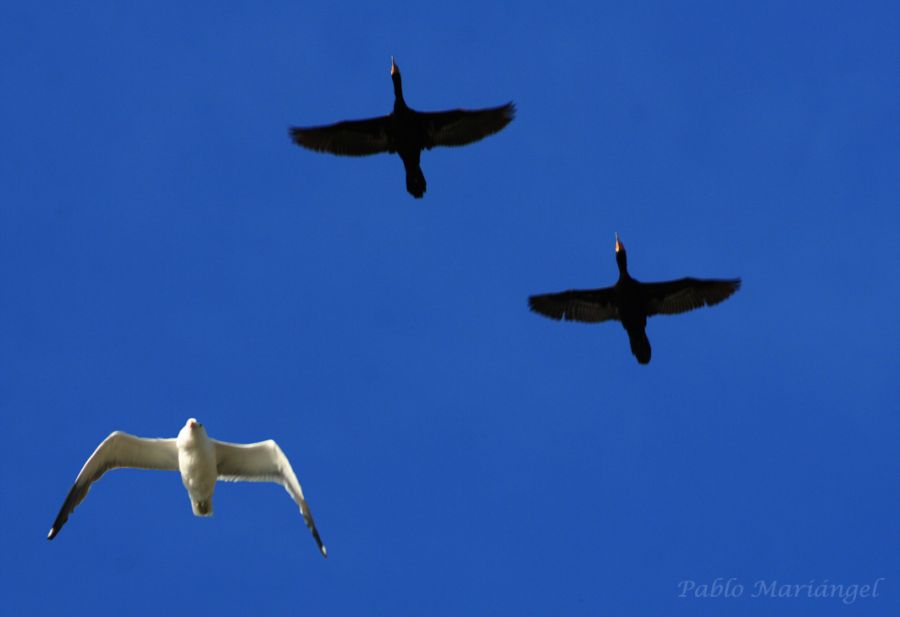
(632, 302)
(200, 460)
(406, 132)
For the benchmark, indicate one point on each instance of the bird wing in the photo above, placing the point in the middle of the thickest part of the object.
(264, 462)
(671, 297)
(459, 127)
(118, 450)
(589, 306)
(349, 138)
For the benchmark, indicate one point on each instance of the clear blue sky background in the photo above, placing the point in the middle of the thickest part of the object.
(166, 252)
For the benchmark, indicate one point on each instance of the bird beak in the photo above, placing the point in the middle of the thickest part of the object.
(393, 66)
(192, 423)
(619, 245)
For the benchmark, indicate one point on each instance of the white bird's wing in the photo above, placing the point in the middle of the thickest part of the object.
(264, 462)
(118, 450)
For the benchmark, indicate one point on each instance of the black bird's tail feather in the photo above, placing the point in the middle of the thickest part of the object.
(415, 179)
(415, 182)
(640, 344)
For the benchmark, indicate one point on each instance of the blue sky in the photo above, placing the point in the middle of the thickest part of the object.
(166, 252)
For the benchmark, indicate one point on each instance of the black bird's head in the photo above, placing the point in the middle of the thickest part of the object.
(621, 257)
(398, 87)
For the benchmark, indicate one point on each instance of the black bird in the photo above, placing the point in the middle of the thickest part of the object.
(632, 302)
(406, 132)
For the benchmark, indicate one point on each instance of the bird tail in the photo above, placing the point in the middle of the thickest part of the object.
(202, 508)
(415, 179)
(640, 344)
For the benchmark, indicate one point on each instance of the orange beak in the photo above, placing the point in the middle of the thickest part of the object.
(394, 68)
(619, 245)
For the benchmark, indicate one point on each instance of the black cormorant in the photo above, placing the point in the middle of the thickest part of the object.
(632, 302)
(406, 132)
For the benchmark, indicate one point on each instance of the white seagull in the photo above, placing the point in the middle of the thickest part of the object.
(200, 460)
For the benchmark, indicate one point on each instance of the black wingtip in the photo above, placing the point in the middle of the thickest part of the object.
(510, 111)
(319, 542)
(538, 305)
(60, 519)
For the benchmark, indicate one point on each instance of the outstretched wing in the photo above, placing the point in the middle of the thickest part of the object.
(117, 450)
(460, 126)
(349, 138)
(589, 305)
(671, 297)
(264, 462)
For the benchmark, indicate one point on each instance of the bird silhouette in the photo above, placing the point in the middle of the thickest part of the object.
(632, 302)
(406, 132)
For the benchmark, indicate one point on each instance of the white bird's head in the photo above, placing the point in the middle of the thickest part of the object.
(191, 429)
